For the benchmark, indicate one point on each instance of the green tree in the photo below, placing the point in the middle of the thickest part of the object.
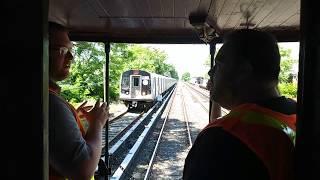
(142, 58)
(186, 76)
(286, 86)
(288, 89)
(173, 72)
(152, 60)
(86, 75)
(120, 56)
(286, 65)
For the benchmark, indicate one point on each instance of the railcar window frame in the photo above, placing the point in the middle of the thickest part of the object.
(136, 81)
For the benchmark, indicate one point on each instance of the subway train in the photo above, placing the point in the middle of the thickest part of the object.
(140, 88)
(197, 80)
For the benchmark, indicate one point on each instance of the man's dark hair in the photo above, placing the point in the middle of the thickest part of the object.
(56, 26)
(53, 27)
(259, 48)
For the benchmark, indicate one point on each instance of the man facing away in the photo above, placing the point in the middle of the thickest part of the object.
(256, 139)
(73, 153)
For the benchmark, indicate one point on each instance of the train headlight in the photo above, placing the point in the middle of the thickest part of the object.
(127, 92)
(145, 82)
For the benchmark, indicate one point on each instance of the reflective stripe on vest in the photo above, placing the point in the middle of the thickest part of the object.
(262, 119)
(270, 135)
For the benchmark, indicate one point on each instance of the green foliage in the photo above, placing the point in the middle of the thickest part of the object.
(86, 75)
(288, 89)
(286, 86)
(173, 72)
(152, 60)
(120, 56)
(286, 65)
(186, 76)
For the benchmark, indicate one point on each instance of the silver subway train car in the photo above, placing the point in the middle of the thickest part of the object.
(140, 88)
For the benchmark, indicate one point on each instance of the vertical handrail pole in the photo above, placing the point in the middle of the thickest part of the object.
(106, 99)
(212, 52)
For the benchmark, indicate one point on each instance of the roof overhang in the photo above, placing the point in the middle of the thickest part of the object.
(167, 21)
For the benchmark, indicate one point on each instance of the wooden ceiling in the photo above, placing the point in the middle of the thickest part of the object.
(167, 21)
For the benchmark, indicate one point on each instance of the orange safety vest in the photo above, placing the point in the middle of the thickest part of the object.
(269, 134)
(54, 175)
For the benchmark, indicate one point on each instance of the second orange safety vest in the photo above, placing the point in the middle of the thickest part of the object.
(269, 134)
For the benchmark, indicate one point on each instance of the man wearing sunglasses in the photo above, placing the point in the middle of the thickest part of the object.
(73, 153)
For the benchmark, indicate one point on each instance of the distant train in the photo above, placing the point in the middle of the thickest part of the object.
(196, 80)
(140, 88)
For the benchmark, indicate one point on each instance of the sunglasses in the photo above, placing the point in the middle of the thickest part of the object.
(64, 50)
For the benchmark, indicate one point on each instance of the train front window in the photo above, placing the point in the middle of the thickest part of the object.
(125, 83)
(135, 81)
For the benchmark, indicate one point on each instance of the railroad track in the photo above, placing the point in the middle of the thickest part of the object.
(136, 158)
(204, 103)
(119, 125)
(123, 149)
(206, 94)
(173, 142)
(168, 138)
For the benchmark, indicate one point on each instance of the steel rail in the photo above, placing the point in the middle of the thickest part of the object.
(203, 106)
(126, 128)
(222, 109)
(185, 115)
(119, 133)
(205, 95)
(118, 144)
(133, 151)
(119, 116)
(159, 138)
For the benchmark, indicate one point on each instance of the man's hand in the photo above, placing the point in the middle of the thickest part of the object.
(99, 114)
(81, 107)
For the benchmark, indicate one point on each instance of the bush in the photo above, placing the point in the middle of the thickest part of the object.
(288, 89)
